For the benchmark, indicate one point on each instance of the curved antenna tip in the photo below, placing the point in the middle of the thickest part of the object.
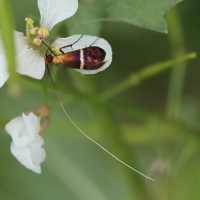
(90, 137)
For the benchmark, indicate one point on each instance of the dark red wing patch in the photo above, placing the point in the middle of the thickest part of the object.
(92, 58)
(94, 55)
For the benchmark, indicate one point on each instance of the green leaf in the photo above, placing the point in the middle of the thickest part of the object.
(88, 12)
(143, 13)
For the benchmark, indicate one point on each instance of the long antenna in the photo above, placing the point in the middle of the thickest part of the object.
(91, 138)
(48, 48)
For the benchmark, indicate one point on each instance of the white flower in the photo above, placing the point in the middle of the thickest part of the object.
(27, 142)
(29, 61)
(30, 51)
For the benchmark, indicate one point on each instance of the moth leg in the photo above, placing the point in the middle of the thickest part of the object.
(94, 41)
(62, 51)
(65, 47)
(70, 44)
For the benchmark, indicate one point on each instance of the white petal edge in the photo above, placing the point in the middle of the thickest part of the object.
(38, 154)
(86, 41)
(21, 42)
(38, 142)
(54, 11)
(30, 63)
(3, 69)
(23, 155)
(14, 129)
(32, 123)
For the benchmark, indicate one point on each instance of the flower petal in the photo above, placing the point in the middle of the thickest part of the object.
(23, 129)
(14, 128)
(37, 142)
(23, 155)
(38, 154)
(3, 69)
(32, 124)
(85, 41)
(30, 63)
(52, 11)
(21, 42)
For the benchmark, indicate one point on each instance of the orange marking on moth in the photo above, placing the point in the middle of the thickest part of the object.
(89, 59)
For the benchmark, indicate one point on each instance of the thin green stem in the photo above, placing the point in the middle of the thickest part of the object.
(117, 89)
(146, 72)
(28, 30)
(133, 111)
(176, 40)
(6, 23)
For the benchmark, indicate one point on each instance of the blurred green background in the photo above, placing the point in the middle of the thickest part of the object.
(152, 125)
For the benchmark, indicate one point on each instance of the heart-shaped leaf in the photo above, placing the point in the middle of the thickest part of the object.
(143, 13)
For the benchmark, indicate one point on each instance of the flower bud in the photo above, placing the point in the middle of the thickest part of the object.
(43, 124)
(43, 111)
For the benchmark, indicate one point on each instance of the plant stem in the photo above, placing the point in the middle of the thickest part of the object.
(133, 111)
(146, 72)
(176, 40)
(6, 23)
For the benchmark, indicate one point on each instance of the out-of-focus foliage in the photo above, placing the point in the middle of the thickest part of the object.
(143, 13)
(136, 119)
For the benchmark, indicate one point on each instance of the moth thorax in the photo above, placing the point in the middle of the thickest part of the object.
(48, 59)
